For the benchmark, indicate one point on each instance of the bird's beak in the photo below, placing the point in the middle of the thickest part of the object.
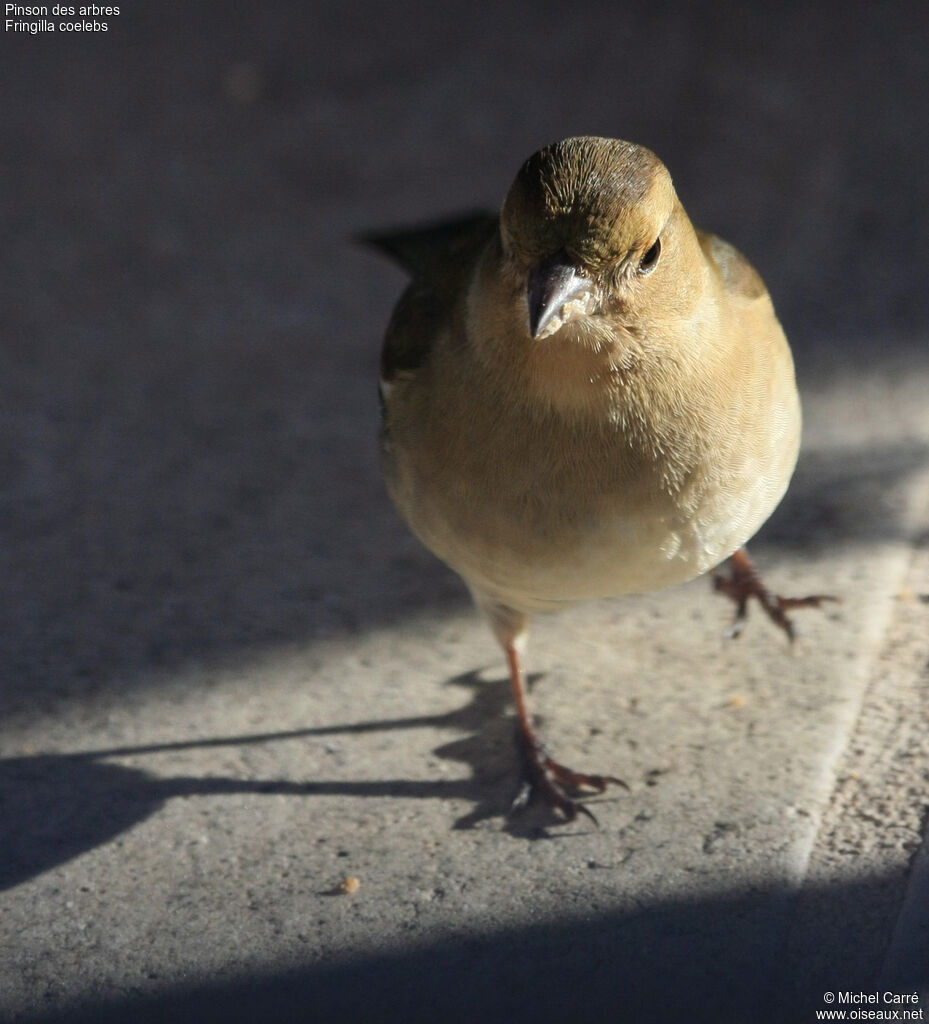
(552, 286)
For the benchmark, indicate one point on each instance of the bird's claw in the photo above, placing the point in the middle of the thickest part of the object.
(743, 583)
(548, 781)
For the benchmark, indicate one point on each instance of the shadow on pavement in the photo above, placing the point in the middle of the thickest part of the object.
(695, 961)
(54, 807)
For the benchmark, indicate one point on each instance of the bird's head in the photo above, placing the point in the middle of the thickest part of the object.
(587, 225)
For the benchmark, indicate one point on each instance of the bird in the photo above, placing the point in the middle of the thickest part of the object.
(584, 396)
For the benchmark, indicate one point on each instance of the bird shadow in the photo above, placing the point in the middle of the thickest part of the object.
(54, 807)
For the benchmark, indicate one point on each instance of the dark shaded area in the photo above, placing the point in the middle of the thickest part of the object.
(696, 961)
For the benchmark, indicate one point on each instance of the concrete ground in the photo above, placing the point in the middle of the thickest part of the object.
(229, 679)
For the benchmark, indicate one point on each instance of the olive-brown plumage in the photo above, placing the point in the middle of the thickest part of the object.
(583, 397)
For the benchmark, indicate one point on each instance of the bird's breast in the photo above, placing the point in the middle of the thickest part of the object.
(540, 511)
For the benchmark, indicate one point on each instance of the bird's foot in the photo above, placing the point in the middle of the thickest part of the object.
(549, 782)
(744, 582)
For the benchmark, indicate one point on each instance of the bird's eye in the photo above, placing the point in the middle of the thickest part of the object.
(650, 260)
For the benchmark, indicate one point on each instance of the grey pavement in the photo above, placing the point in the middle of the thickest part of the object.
(230, 679)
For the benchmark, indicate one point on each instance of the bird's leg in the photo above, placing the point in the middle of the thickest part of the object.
(543, 778)
(546, 779)
(743, 582)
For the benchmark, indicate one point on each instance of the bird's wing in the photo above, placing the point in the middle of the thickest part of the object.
(424, 250)
(739, 276)
(439, 258)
